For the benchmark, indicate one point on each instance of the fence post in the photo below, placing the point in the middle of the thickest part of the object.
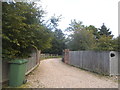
(66, 56)
(39, 54)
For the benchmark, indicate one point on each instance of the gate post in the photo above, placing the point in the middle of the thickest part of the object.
(66, 56)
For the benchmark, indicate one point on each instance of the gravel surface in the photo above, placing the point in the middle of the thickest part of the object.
(53, 73)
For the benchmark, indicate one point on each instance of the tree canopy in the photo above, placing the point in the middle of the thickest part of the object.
(23, 30)
(104, 31)
(81, 38)
(58, 37)
(24, 27)
(90, 38)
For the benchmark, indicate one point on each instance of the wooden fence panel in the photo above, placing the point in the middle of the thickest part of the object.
(32, 62)
(96, 61)
(5, 71)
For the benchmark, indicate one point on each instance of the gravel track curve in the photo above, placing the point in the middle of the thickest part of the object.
(53, 73)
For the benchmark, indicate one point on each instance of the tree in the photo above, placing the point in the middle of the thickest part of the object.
(118, 40)
(58, 43)
(94, 31)
(105, 43)
(52, 23)
(23, 30)
(58, 37)
(116, 44)
(104, 31)
(75, 25)
(81, 38)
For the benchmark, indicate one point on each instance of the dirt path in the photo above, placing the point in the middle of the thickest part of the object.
(53, 73)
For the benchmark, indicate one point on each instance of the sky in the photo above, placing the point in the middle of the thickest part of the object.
(90, 12)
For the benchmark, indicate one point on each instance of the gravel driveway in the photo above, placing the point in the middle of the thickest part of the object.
(53, 73)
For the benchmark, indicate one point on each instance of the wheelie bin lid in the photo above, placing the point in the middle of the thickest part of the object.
(18, 61)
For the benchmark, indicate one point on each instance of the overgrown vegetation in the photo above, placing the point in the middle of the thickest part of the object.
(24, 27)
(23, 30)
(90, 38)
(58, 41)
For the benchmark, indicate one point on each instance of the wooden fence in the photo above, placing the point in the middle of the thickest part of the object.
(46, 55)
(104, 62)
(33, 62)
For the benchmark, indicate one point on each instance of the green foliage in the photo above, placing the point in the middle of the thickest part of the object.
(75, 25)
(90, 38)
(104, 31)
(105, 43)
(52, 23)
(118, 40)
(58, 41)
(81, 39)
(94, 31)
(23, 30)
(116, 44)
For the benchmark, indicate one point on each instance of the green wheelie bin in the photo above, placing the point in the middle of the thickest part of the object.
(17, 72)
